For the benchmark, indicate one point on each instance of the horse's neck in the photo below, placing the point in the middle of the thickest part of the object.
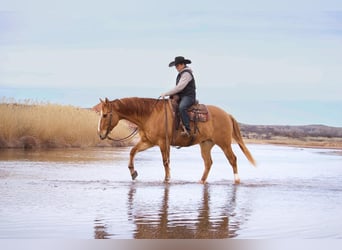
(132, 110)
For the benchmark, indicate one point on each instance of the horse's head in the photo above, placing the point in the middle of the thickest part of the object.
(108, 119)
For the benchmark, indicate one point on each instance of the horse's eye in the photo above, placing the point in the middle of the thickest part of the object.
(104, 115)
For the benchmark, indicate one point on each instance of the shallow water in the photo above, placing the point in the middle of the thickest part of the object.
(75, 193)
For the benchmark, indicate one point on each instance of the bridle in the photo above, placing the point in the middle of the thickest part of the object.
(135, 131)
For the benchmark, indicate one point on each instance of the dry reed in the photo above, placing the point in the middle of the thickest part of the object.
(28, 124)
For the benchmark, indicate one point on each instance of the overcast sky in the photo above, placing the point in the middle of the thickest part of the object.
(264, 61)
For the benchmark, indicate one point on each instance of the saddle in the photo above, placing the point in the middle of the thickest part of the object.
(197, 112)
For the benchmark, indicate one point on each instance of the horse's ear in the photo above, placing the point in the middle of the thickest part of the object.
(101, 100)
(106, 100)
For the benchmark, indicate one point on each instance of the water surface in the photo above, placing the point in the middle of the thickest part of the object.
(88, 193)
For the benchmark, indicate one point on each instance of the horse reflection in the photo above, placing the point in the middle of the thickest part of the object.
(211, 222)
(100, 230)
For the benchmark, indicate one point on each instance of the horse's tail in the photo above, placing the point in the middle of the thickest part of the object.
(238, 138)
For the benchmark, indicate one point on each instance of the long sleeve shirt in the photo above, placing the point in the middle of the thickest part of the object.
(183, 81)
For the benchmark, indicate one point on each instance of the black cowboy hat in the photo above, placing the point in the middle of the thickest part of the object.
(179, 60)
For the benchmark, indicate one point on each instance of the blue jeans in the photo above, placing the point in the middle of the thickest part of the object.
(184, 105)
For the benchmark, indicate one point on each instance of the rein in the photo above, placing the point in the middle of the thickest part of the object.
(135, 131)
(167, 143)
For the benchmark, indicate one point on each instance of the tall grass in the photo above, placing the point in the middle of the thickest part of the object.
(31, 124)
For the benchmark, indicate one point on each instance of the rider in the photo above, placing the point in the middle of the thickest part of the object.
(185, 88)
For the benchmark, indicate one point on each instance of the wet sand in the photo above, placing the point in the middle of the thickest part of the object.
(294, 193)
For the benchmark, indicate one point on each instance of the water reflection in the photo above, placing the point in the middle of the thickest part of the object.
(88, 193)
(207, 218)
(100, 230)
(74, 155)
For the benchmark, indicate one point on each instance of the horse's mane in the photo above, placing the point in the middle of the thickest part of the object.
(139, 106)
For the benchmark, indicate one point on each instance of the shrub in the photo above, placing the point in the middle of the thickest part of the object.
(50, 125)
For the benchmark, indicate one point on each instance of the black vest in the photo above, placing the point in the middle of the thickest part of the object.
(190, 89)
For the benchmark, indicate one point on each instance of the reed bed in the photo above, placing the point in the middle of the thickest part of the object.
(29, 124)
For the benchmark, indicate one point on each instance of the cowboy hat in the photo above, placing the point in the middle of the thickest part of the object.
(179, 60)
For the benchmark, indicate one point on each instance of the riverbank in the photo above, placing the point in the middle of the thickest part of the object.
(43, 125)
(309, 136)
(327, 143)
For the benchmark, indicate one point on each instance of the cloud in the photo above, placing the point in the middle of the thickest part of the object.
(65, 67)
(130, 45)
(243, 52)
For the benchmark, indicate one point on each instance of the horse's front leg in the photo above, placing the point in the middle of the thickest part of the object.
(140, 146)
(165, 151)
(206, 147)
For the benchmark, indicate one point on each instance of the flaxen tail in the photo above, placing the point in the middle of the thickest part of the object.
(238, 138)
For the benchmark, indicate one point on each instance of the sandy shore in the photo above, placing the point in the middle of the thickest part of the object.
(328, 144)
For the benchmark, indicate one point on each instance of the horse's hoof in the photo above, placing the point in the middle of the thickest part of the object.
(236, 179)
(134, 175)
(202, 182)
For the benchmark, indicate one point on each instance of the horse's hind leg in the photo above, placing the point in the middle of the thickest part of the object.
(227, 149)
(206, 147)
(140, 146)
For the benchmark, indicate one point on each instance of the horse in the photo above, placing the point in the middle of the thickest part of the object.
(154, 119)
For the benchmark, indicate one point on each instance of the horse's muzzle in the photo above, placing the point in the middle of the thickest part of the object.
(102, 136)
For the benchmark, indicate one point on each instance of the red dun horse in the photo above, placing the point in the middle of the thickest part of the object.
(155, 122)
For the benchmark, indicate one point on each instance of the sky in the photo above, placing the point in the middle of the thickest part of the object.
(265, 62)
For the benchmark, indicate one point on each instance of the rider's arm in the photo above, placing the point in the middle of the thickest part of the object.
(183, 81)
